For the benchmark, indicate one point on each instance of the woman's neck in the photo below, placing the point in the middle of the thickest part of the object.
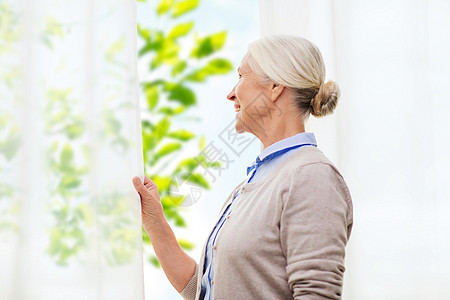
(278, 131)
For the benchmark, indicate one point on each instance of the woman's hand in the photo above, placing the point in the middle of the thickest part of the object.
(178, 266)
(151, 207)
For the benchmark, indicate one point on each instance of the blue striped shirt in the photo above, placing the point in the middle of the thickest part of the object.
(261, 172)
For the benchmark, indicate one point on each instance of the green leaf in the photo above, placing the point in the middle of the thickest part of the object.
(147, 125)
(185, 244)
(189, 163)
(220, 65)
(167, 54)
(154, 261)
(69, 183)
(55, 236)
(164, 6)
(179, 221)
(179, 109)
(214, 164)
(168, 148)
(180, 30)
(202, 143)
(177, 200)
(167, 202)
(148, 141)
(86, 213)
(171, 213)
(178, 92)
(153, 83)
(154, 41)
(209, 44)
(183, 7)
(197, 179)
(146, 48)
(145, 237)
(54, 27)
(152, 95)
(172, 201)
(161, 128)
(74, 130)
(143, 32)
(66, 156)
(178, 68)
(57, 95)
(115, 48)
(162, 182)
(167, 110)
(215, 66)
(182, 134)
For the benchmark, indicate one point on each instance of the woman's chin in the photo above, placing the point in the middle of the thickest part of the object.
(240, 128)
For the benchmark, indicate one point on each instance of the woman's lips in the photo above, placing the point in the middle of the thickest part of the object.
(237, 107)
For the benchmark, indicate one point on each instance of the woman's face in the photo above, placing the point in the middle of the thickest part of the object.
(246, 94)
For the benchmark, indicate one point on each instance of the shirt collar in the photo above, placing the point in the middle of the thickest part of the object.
(298, 139)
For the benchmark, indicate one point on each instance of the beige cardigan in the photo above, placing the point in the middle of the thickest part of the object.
(286, 236)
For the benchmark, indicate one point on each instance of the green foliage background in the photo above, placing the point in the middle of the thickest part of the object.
(170, 95)
(174, 69)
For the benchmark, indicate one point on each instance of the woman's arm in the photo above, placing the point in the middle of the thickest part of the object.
(177, 265)
(314, 231)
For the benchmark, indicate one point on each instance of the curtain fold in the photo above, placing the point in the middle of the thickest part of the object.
(312, 20)
(389, 136)
(70, 220)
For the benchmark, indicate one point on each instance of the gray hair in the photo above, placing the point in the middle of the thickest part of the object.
(297, 64)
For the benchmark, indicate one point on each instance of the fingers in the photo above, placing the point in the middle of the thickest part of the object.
(149, 184)
(138, 185)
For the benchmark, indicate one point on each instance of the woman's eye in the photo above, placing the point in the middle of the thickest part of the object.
(240, 76)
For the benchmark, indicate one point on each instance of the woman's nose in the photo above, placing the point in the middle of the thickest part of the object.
(231, 96)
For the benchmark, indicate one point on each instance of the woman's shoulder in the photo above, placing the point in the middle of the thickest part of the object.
(311, 162)
(310, 166)
(309, 169)
(307, 156)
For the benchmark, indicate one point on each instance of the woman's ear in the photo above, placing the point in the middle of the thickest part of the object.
(276, 90)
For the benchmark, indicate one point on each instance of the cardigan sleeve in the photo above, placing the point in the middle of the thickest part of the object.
(189, 292)
(314, 228)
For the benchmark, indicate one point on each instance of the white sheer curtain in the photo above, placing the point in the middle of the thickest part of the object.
(70, 142)
(390, 136)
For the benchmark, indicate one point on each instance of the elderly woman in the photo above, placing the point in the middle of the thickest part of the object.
(282, 232)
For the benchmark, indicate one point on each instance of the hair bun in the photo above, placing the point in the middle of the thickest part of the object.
(326, 99)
